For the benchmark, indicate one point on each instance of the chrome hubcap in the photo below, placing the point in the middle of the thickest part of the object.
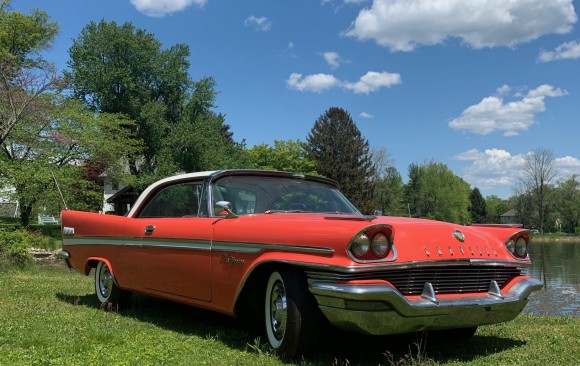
(278, 310)
(105, 282)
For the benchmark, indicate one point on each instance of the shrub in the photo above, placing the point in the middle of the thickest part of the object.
(15, 245)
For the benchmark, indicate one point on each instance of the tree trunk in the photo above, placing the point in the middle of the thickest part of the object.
(25, 213)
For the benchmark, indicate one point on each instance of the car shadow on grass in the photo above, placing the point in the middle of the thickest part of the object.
(335, 347)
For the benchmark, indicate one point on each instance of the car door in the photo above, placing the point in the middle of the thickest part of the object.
(176, 243)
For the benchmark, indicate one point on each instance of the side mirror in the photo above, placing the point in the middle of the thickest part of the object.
(378, 213)
(224, 208)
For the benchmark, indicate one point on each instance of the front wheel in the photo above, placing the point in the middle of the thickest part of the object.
(291, 314)
(108, 293)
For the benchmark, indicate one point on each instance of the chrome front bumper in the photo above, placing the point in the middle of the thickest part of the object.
(381, 309)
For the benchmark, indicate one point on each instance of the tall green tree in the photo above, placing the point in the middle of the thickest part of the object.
(477, 207)
(522, 201)
(24, 75)
(287, 156)
(495, 207)
(389, 196)
(124, 70)
(568, 204)
(341, 153)
(437, 193)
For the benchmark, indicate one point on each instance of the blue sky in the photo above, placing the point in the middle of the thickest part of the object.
(476, 85)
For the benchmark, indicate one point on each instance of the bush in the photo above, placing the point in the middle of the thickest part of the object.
(15, 245)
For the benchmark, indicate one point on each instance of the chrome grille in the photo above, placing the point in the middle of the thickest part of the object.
(445, 280)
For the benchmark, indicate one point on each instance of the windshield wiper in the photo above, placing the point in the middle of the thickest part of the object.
(284, 211)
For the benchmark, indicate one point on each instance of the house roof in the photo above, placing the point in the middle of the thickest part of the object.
(510, 213)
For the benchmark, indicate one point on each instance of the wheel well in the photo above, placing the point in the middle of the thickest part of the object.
(250, 302)
(91, 263)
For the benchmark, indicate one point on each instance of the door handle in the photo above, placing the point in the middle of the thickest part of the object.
(149, 229)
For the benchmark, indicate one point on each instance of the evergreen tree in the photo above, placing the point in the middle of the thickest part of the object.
(477, 208)
(341, 153)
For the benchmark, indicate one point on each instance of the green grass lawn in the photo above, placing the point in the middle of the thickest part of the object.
(50, 316)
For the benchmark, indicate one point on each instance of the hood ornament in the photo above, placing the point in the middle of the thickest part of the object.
(459, 235)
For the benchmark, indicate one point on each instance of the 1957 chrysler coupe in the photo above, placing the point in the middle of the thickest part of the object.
(294, 250)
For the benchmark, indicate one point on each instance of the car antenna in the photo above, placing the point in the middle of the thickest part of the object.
(59, 191)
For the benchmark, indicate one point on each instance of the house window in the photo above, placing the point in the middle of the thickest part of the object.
(115, 185)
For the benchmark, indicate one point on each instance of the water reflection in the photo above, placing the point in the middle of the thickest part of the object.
(557, 265)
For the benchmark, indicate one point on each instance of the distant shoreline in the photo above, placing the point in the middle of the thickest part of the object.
(555, 238)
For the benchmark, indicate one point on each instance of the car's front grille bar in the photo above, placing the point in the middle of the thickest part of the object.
(445, 280)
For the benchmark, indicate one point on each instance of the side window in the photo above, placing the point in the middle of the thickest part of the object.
(243, 201)
(178, 200)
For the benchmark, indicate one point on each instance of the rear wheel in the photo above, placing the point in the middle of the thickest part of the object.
(291, 314)
(108, 293)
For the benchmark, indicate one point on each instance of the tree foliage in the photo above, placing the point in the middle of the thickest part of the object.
(568, 205)
(435, 192)
(477, 207)
(389, 197)
(341, 153)
(58, 144)
(24, 75)
(122, 69)
(495, 207)
(287, 156)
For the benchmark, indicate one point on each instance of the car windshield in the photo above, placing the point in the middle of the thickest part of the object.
(258, 194)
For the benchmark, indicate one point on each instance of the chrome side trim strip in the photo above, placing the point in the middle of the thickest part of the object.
(197, 244)
(102, 240)
(257, 247)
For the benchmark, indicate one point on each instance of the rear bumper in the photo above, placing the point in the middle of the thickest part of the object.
(64, 255)
(381, 309)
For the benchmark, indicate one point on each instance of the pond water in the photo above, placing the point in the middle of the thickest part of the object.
(557, 265)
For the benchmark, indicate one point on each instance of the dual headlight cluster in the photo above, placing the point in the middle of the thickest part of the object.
(371, 245)
(518, 247)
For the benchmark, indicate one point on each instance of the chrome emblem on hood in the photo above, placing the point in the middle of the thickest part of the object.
(459, 235)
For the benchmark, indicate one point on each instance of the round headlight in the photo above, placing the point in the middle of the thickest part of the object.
(360, 245)
(380, 245)
(521, 247)
(511, 246)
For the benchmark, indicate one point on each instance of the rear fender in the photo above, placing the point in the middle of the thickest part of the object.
(92, 262)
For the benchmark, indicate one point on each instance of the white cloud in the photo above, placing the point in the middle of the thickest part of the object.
(503, 90)
(568, 50)
(332, 59)
(567, 166)
(160, 8)
(317, 83)
(494, 114)
(497, 168)
(261, 24)
(373, 81)
(403, 25)
(366, 115)
(492, 168)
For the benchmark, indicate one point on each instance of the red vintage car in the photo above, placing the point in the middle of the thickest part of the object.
(288, 250)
